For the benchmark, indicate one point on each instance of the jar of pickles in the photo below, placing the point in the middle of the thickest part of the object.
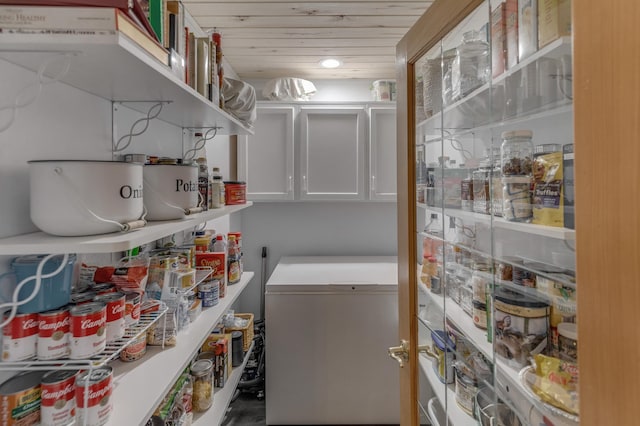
(202, 377)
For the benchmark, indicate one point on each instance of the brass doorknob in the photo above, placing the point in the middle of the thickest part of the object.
(400, 353)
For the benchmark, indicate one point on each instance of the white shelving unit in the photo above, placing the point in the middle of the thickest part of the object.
(446, 395)
(41, 243)
(222, 397)
(141, 385)
(115, 68)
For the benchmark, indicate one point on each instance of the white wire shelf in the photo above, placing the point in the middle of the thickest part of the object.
(111, 352)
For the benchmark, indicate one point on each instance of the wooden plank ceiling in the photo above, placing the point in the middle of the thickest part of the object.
(268, 39)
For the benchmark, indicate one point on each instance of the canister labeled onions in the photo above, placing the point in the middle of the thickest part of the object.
(20, 337)
(115, 314)
(54, 329)
(96, 386)
(58, 406)
(20, 399)
(88, 330)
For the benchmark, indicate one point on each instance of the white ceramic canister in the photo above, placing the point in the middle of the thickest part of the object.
(170, 190)
(78, 197)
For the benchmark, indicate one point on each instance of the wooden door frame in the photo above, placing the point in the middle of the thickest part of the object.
(433, 25)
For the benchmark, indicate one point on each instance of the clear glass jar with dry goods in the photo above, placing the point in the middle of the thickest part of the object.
(516, 153)
(202, 377)
(481, 193)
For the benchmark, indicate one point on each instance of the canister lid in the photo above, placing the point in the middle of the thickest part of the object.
(236, 335)
(568, 329)
(201, 367)
(439, 338)
(517, 134)
(514, 298)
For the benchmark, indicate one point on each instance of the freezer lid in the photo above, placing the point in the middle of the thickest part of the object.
(334, 273)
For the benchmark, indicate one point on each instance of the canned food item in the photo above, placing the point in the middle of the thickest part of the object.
(235, 192)
(84, 297)
(209, 293)
(58, 406)
(135, 350)
(132, 309)
(53, 334)
(97, 384)
(20, 337)
(104, 288)
(115, 314)
(20, 399)
(88, 330)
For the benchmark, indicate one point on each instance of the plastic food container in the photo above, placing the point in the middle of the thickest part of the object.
(235, 192)
(71, 198)
(54, 291)
(521, 326)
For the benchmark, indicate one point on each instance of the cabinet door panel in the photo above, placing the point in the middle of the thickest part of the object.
(382, 154)
(332, 154)
(265, 161)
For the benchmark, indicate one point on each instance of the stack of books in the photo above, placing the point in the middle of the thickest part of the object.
(82, 18)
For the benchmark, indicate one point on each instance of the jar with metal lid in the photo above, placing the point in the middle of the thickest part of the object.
(202, 376)
(517, 153)
(480, 280)
(481, 195)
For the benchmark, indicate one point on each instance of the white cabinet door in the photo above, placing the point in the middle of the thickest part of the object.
(332, 143)
(265, 161)
(382, 154)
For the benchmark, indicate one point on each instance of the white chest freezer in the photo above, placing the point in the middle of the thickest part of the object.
(329, 324)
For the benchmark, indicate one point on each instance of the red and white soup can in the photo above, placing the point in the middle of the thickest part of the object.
(53, 334)
(115, 314)
(58, 393)
(88, 330)
(96, 386)
(20, 338)
(132, 308)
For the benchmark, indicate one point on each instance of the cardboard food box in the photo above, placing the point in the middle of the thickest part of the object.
(527, 28)
(511, 28)
(498, 39)
(554, 20)
(219, 344)
(217, 261)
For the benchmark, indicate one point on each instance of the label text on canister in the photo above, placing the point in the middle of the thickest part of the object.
(188, 186)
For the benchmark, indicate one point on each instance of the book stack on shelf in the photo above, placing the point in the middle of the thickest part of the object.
(83, 18)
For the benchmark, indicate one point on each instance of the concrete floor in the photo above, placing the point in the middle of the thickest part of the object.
(246, 410)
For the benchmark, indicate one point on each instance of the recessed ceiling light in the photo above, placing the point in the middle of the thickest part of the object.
(330, 63)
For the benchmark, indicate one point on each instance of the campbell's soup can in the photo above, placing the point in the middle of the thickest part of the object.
(96, 386)
(135, 350)
(54, 328)
(88, 330)
(20, 338)
(58, 393)
(132, 309)
(20, 399)
(115, 314)
(104, 288)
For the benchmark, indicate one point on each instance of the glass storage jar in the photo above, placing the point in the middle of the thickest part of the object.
(470, 68)
(517, 153)
(202, 377)
(481, 195)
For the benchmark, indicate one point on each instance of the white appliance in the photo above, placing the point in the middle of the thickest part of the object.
(329, 324)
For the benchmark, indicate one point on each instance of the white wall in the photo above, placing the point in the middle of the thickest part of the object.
(315, 228)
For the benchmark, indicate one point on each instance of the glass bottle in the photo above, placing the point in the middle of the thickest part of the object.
(481, 195)
(203, 180)
(470, 68)
(217, 189)
(202, 376)
(517, 165)
(233, 260)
